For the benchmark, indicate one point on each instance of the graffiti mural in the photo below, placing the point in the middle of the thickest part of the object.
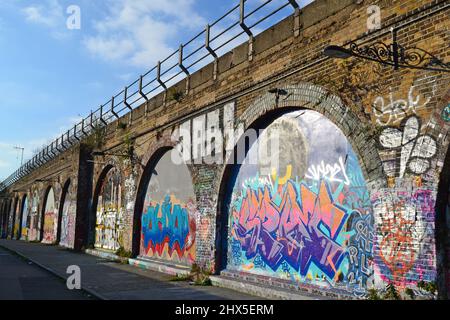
(50, 219)
(110, 213)
(405, 246)
(169, 215)
(25, 219)
(67, 236)
(314, 222)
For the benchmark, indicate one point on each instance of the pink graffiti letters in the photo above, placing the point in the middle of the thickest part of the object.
(302, 229)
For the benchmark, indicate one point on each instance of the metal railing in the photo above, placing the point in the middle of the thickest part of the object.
(177, 66)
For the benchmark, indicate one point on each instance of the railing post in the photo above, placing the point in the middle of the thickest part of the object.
(162, 84)
(63, 143)
(210, 50)
(51, 149)
(82, 128)
(57, 146)
(75, 132)
(184, 69)
(247, 30)
(125, 102)
(158, 75)
(91, 121)
(143, 95)
(101, 116)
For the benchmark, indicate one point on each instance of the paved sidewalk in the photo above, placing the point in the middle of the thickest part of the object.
(113, 281)
(23, 280)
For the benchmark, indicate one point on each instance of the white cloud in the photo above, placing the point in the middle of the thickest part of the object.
(140, 33)
(49, 14)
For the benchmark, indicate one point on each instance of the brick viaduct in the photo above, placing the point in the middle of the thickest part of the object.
(360, 196)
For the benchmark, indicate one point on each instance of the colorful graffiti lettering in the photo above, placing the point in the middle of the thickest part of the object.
(299, 232)
(170, 216)
(297, 226)
(167, 227)
(313, 224)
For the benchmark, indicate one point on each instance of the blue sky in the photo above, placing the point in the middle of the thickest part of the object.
(51, 75)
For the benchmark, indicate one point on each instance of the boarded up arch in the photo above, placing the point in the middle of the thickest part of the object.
(24, 218)
(49, 222)
(66, 217)
(107, 214)
(13, 218)
(166, 211)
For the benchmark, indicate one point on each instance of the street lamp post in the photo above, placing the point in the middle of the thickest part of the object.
(394, 55)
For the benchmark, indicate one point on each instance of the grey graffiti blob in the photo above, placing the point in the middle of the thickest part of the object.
(415, 149)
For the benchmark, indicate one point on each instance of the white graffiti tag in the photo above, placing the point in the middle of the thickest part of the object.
(332, 173)
(394, 111)
(415, 151)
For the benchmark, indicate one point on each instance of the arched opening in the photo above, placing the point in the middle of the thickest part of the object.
(7, 221)
(108, 211)
(34, 229)
(166, 211)
(4, 217)
(24, 219)
(66, 217)
(14, 219)
(442, 230)
(49, 218)
(296, 207)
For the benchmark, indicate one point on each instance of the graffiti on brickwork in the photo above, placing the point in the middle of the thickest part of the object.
(11, 218)
(405, 239)
(16, 225)
(35, 218)
(110, 213)
(446, 113)
(50, 218)
(312, 228)
(130, 192)
(68, 220)
(393, 111)
(414, 150)
(361, 253)
(109, 229)
(169, 218)
(25, 219)
(167, 228)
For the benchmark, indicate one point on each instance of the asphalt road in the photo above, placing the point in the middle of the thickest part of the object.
(22, 280)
